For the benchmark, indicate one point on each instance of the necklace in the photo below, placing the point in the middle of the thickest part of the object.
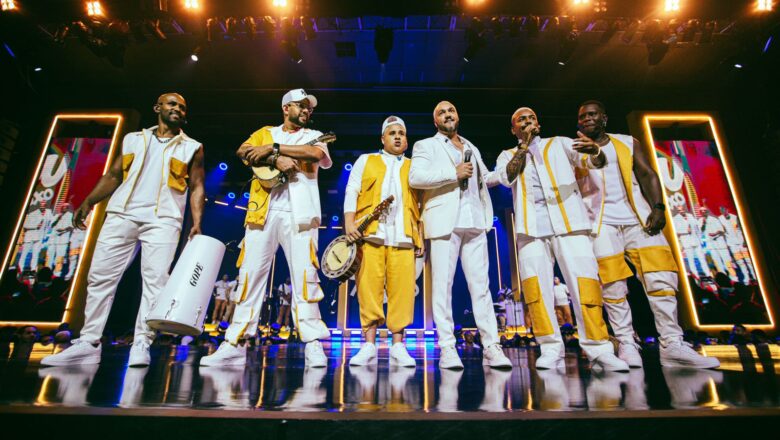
(160, 140)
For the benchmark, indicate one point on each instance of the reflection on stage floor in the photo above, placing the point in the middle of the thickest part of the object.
(275, 379)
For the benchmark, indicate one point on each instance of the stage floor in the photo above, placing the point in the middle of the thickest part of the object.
(275, 380)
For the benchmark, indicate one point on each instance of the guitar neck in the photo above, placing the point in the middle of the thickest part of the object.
(373, 216)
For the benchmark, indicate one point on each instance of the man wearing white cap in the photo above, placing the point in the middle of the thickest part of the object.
(389, 245)
(457, 213)
(286, 215)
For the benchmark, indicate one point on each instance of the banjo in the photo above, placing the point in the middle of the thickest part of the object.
(341, 258)
(270, 177)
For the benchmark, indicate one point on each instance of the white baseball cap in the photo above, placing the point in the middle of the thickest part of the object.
(296, 95)
(392, 120)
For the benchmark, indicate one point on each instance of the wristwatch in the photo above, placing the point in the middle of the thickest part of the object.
(660, 206)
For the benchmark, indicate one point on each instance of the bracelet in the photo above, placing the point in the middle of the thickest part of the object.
(276, 148)
(272, 161)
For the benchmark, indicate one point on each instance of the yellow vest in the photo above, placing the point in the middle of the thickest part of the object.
(371, 193)
(257, 208)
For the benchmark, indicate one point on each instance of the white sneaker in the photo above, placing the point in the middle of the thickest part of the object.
(494, 357)
(449, 358)
(226, 354)
(629, 353)
(366, 355)
(681, 354)
(139, 354)
(400, 357)
(609, 362)
(549, 360)
(315, 356)
(80, 353)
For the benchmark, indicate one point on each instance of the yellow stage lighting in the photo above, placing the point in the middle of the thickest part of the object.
(280, 3)
(764, 5)
(192, 4)
(671, 5)
(8, 5)
(581, 2)
(94, 9)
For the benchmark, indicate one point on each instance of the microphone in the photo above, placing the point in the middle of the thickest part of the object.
(464, 184)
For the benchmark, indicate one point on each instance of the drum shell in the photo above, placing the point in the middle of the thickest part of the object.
(182, 305)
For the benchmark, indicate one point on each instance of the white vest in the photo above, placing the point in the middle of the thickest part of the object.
(172, 194)
(593, 188)
(555, 162)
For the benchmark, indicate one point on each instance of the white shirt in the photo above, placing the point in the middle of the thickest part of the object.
(35, 224)
(390, 231)
(470, 214)
(543, 223)
(617, 210)
(143, 200)
(561, 291)
(711, 225)
(734, 235)
(280, 196)
(222, 288)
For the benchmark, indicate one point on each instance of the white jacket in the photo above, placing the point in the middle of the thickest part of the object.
(555, 162)
(172, 194)
(433, 172)
(594, 190)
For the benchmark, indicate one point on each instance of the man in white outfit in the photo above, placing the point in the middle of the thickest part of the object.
(735, 241)
(687, 229)
(457, 213)
(35, 225)
(551, 224)
(146, 209)
(287, 215)
(625, 202)
(61, 230)
(714, 233)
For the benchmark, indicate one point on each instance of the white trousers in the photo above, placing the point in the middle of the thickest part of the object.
(574, 253)
(695, 255)
(721, 258)
(300, 250)
(656, 269)
(116, 248)
(59, 252)
(30, 248)
(471, 247)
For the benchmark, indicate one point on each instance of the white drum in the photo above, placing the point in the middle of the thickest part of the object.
(182, 304)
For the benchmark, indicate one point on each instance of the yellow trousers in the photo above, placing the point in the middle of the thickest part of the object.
(391, 268)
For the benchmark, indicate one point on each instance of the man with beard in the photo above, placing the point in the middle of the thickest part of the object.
(457, 213)
(626, 205)
(287, 215)
(146, 207)
(551, 223)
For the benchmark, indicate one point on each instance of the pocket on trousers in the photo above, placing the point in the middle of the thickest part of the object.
(311, 291)
(657, 259)
(592, 305)
(540, 320)
(127, 160)
(177, 176)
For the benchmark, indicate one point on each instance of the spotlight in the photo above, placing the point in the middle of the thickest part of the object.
(192, 5)
(223, 166)
(8, 5)
(38, 69)
(280, 3)
(231, 27)
(194, 57)
(581, 2)
(383, 43)
(246, 195)
(231, 195)
(94, 9)
(251, 26)
(269, 27)
(764, 5)
(738, 66)
(495, 219)
(213, 26)
(671, 5)
(335, 218)
(561, 63)
(348, 166)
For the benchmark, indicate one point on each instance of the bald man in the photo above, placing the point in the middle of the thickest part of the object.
(457, 213)
(146, 210)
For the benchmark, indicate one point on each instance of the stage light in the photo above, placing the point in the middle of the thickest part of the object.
(561, 63)
(251, 27)
(581, 2)
(231, 195)
(194, 57)
(231, 27)
(764, 5)
(335, 218)
(8, 5)
(94, 9)
(38, 69)
(671, 5)
(475, 2)
(348, 166)
(495, 219)
(192, 4)
(246, 195)
(223, 166)
(309, 28)
(280, 3)
(213, 26)
(738, 66)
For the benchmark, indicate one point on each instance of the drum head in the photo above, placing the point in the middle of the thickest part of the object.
(173, 327)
